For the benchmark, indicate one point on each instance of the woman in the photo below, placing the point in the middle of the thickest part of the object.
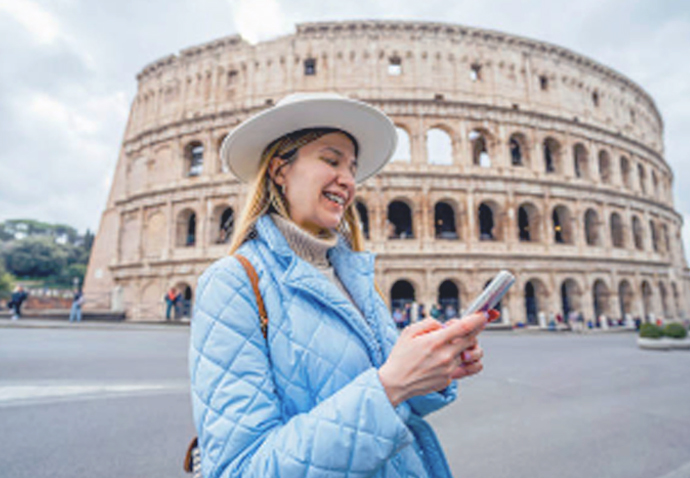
(333, 390)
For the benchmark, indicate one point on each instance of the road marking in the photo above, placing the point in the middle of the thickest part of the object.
(31, 394)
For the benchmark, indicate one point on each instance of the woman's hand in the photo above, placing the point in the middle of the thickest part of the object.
(429, 355)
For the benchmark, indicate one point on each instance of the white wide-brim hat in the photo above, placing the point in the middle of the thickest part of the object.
(374, 131)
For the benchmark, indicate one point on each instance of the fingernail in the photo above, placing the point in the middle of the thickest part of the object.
(486, 315)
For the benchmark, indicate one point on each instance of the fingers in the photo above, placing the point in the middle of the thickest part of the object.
(471, 355)
(465, 327)
(423, 327)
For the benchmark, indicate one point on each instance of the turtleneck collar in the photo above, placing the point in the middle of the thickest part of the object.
(306, 245)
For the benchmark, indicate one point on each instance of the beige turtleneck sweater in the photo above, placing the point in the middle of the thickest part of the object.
(312, 249)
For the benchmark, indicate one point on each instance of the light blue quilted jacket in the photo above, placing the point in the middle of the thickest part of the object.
(307, 403)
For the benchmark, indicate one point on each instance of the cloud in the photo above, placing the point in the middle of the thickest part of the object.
(42, 25)
(254, 27)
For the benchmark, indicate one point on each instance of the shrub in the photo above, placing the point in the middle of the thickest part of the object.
(651, 331)
(675, 331)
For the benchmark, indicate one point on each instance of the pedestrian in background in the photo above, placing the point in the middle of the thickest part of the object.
(77, 302)
(296, 368)
(171, 300)
(16, 300)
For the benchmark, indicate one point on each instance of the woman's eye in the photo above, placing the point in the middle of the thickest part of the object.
(331, 161)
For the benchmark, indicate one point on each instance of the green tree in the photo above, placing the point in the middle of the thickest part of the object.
(35, 257)
(6, 282)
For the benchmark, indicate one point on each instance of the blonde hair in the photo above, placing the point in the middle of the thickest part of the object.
(264, 196)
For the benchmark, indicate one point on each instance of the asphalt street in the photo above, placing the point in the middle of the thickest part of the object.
(111, 401)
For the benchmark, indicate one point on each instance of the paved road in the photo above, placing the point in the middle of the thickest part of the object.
(95, 401)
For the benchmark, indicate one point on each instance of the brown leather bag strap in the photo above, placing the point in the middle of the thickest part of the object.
(254, 279)
(188, 464)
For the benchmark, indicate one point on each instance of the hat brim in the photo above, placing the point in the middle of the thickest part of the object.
(374, 131)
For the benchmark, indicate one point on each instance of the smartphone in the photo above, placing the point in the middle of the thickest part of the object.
(492, 294)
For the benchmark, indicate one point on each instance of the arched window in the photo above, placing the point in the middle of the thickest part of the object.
(225, 226)
(528, 223)
(363, 217)
(185, 305)
(439, 147)
(638, 234)
(626, 298)
(617, 230)
(647, 295)
(488, 230)
(667, 240)
(600, 297)
(664, 300)
(449, 299)
(480, 151)
(444, 221)
(402, 150)
(654, 236)
(194, 158)
(604, 167)
(655, 185)
(592, 227)
(402, 293)
(642, 176)
(518, 149)
(570, 297)
(552, 152)
(186, 228)
(400, 221)
(561, 225)
(581, 161)
(625, 172)
(676, 300)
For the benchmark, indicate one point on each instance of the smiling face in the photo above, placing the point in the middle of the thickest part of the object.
(320, 184)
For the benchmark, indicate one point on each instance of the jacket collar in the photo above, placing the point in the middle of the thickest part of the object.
(354, 269)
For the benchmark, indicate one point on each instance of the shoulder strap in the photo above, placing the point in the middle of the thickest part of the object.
(254, 279)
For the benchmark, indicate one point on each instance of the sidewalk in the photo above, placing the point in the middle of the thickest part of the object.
(57, 323)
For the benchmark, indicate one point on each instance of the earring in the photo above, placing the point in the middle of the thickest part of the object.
(282, 189)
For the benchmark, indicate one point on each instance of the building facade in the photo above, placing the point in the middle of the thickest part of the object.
(513, 154)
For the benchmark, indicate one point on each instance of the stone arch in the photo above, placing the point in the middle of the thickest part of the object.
(185, 231)
(666, 238)
(654, 235)
(571, 297)
(680, 311)
(363, 214)
(638, 233)
(625, 172)
(529, 222)
(154, 237)
(222, 165)
(642, 177)
(186, 304)
(604, 167)
(129, 237)
(193, 158)
(581, 161)
(552, 155)
(402, 292)
(444, 221)
(222, 224)
(663, 294)
(403, 150)
(647, 297)
(655, 185)
(439, 146)
(600, 299)
(448, 298)
(400, 220)
(480, 140)
(626, 298)
(489, 221)
(562, 225)
(536, 295)
(592, 235)
(519, 149)
(617, 237)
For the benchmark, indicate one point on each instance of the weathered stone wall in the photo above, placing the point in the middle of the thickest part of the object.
(480, 89)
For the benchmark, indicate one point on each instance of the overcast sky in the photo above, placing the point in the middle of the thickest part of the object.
(67, 73)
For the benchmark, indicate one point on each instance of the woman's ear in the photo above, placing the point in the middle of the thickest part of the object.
(275, 170)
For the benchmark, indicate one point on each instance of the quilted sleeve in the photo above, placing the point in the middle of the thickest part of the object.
(242, 431)
(423, 404)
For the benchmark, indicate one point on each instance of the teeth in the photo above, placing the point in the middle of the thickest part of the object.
(335, 198)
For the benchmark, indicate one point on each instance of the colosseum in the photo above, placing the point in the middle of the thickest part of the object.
(513, 154)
